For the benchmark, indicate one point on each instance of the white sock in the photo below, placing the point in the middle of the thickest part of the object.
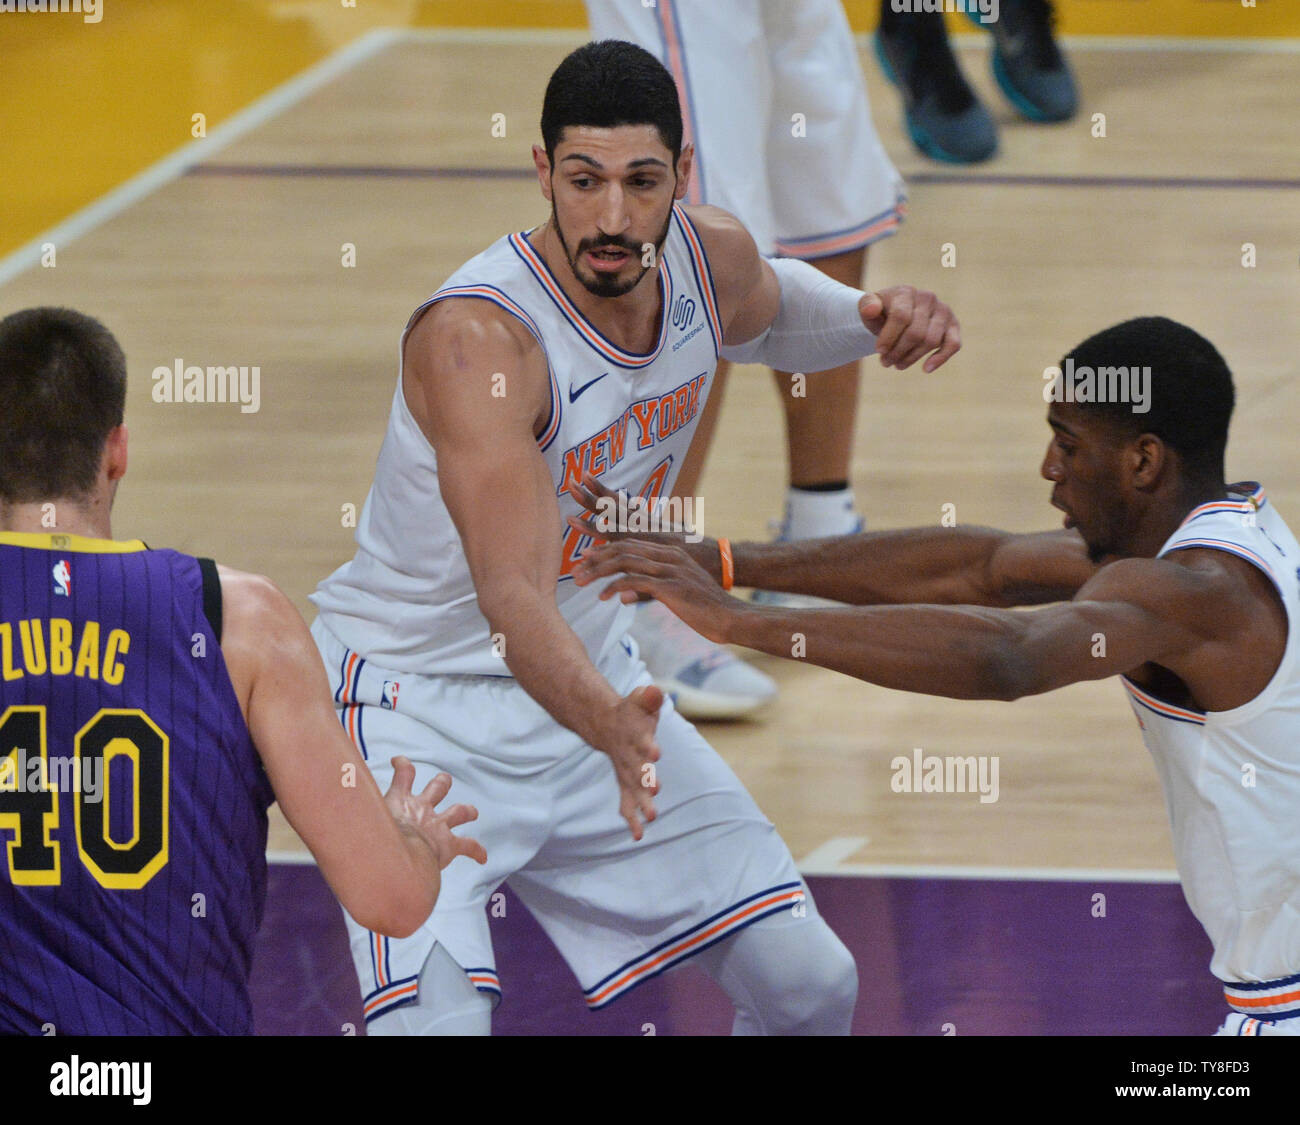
(811, 515)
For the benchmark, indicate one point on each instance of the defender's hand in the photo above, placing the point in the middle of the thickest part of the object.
(419, 814)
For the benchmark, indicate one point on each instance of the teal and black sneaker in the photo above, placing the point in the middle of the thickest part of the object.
(944, 118)
(1027, 62)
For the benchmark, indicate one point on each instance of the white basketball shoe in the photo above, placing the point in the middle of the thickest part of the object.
(706, 681)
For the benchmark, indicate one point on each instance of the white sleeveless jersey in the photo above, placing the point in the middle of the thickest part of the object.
(1232, 779)
(407, 600)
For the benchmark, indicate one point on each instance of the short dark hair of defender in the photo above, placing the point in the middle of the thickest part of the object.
(1191, 388)
(62, 392)
(607, 84)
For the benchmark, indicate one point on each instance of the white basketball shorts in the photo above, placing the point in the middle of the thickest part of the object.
(619, 911)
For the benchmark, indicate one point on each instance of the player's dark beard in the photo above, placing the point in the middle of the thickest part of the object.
(600, 285)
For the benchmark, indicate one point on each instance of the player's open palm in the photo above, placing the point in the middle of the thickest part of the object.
(419, 813)
(633, 749)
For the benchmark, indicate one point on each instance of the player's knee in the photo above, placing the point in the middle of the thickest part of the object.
(817, 990)
(830, 988)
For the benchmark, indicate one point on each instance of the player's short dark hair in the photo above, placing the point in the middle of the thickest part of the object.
(62, 392)
(610, 83)
(1191, 392)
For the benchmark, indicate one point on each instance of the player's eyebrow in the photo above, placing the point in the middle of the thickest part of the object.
(1061, 427)
(643, 162)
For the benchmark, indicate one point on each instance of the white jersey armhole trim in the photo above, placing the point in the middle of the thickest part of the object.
(498, 298)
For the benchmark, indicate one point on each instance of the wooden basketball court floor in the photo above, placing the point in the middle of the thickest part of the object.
(232, 255)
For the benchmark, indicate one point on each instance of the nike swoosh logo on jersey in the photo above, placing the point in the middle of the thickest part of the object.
(573, 395)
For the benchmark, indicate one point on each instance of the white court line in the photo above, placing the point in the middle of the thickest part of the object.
(832, 853)
(911, 871)
(196, 151)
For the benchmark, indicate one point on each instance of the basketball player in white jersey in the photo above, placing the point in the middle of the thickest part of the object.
(1193, 583)
(774, 103)
(456, 636)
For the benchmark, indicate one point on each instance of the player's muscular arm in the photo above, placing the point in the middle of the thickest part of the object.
(499, 492)
(945, 566)
(1147, 610)
(749, 295)
(381, 855)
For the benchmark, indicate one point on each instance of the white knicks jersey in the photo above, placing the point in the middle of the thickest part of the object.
(1232, 778)
(407, 600)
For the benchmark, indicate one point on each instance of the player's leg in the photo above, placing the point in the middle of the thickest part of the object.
(944, 118)
(711, 877)
(820, 417)
(442, 979)
(1027, 61)
(448, 1003)
(787, 974)
(834, 192)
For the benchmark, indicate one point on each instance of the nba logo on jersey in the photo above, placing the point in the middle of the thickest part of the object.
(388, 699)
(63, 578)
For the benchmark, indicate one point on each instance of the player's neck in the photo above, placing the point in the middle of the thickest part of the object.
(62, 517)
(1168, 513)
(632, 321)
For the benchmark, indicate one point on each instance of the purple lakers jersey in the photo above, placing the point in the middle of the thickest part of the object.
(132, 801)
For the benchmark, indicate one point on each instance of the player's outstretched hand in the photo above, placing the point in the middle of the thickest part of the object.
(910, 323)
(631, 746)
(419, 814)
(665, 572)
(600, 520)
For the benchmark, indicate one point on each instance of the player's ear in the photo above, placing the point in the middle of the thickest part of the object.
(114, 462)
(1148, 458)
(685, 164)
(542, 162)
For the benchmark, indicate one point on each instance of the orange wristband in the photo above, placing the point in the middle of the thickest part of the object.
(728, 564)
